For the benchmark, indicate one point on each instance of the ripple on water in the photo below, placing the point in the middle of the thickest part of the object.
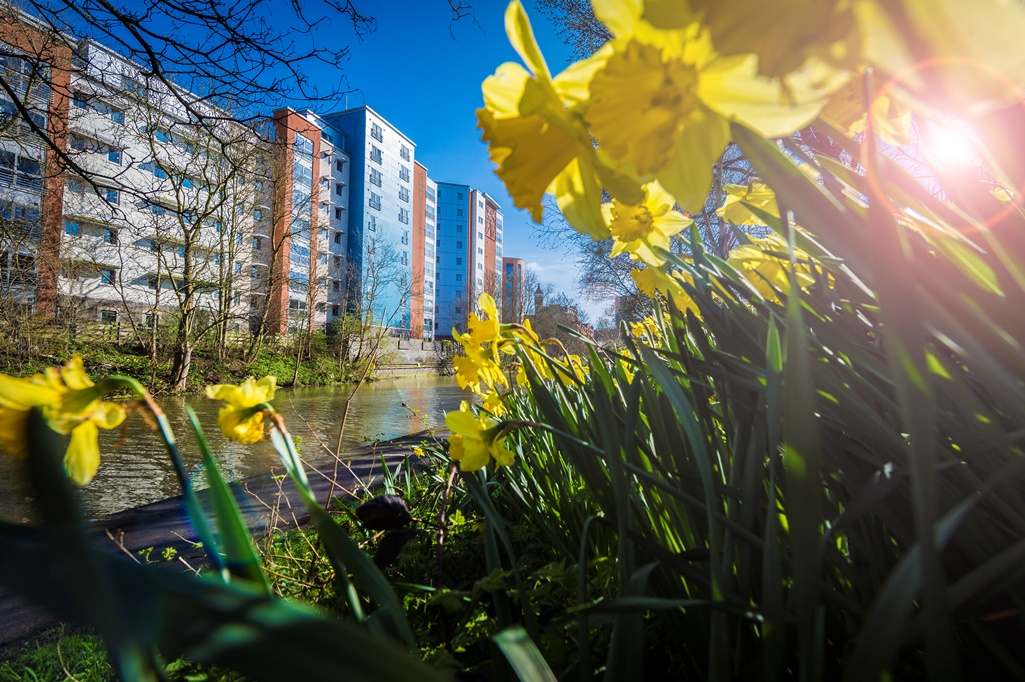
(135, 469)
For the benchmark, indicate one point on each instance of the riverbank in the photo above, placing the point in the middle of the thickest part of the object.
(160, 531)
(322, 369)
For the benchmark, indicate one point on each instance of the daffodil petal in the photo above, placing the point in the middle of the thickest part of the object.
(521, 36)
(13, 431)
(82, 458)
(74, 374)
(26, 392)
(688, 176)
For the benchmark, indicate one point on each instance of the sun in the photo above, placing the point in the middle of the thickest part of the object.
(948, 144)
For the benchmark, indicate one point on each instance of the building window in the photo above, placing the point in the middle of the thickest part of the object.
(108, 276)
(108, 316)
(79, 101)
(114, 156)
(257, 244)
(404, 216)
(152, 283)
(375, 201)
(459, 211)
(459, 261)
(254, 272)
(113, 196)
(338, 237)
(338, 214)
(404, 173)
(404, 194)
(375, 154)
(154, 246)
(334, 310)
(336, 285)
(133, 87)
(72, 228)
(338, 188)
(459, 278)
(257, 214)
(375, 177)
(404, 153)
(339, 165)
(372, 223)
(459, 245)
(376, 132)
(117, 116)
(459, 196)
(303, 145)
(109, 236)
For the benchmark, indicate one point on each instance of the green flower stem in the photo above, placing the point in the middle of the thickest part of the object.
(195, 512)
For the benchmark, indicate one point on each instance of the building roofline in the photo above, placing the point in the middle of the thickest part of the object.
(373, 111)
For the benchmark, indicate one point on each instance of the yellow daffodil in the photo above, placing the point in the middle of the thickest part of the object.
(662, 100)
(647, 327)
(653, 281)
(766, 265)
(494, 403)
(475, 439)
(847, 109)
(536, 134)
(578, 367)
(474, 370)
(740, 199)
(528, 340)
(627, 369)
(481, 345)
(241, 416)
(640, 229)
(646, 115)
(806, 43)
(71, 404)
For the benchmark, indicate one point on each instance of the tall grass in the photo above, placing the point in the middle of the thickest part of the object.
(824, 484)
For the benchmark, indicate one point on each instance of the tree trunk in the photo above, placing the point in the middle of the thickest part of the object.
(182, 355)
(298, 359)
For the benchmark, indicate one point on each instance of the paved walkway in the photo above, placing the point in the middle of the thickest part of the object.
(268, 502)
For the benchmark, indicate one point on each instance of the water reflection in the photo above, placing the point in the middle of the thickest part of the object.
(135, 469)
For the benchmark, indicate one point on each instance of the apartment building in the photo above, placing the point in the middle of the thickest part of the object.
(154, 210)
(300, 262)
(513, 295)
(380, 248)
(37, 68)
(425, 202)
(469, 247)
(159, 211)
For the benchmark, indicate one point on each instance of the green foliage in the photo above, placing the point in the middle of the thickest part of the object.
(58, 656)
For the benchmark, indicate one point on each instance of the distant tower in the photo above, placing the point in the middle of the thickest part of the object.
(539, 299)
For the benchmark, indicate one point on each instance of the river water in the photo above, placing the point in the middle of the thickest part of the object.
(135, 469)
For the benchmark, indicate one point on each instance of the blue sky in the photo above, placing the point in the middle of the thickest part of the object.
(426, 81)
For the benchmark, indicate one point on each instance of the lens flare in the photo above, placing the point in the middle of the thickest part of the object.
(948, 144)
